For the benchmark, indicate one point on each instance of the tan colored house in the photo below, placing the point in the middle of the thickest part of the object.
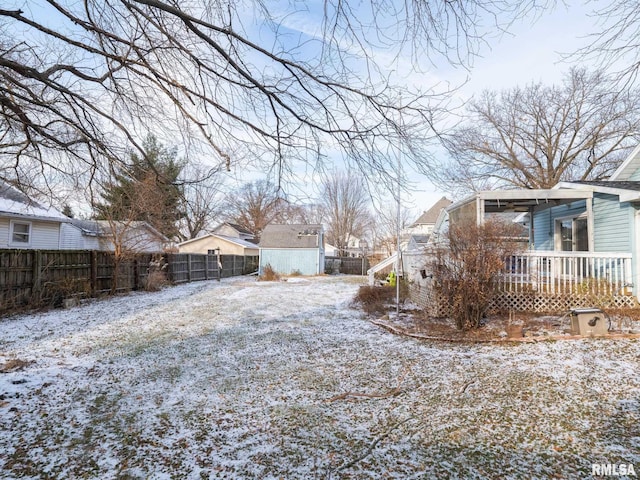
(212, 242)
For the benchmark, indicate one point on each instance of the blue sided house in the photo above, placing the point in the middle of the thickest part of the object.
(584, 237)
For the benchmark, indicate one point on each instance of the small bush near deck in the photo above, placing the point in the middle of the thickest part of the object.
(466, 267)
(269, 274)
(375, 299)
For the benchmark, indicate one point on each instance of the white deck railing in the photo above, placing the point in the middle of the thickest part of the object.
(568, 272)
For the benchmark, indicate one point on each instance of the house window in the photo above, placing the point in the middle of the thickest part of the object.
(20, 233)
(572, 234)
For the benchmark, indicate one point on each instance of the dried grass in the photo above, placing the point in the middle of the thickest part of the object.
(269, 274)
(155, 281)
(374, 299)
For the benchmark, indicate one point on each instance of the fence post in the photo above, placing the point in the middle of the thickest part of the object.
(93, 275)
(189, 267)
(37, 273)
(206, 267)
(136, 274)
(219, 264)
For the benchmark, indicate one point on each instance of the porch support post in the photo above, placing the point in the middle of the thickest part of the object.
(635, 269)
(590, 224)
(532, 237)
(479, 210)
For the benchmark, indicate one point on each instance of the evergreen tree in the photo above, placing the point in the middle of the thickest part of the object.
(146, 190)
(67, 210)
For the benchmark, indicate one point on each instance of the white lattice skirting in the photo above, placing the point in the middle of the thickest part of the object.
(533, 302)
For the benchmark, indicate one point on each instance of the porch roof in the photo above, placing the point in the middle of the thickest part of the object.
(627, 191)
(521, 200)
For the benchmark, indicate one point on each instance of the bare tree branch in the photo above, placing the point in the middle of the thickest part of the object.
(85, 85)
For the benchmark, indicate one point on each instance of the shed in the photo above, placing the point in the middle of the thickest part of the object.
(296, 248)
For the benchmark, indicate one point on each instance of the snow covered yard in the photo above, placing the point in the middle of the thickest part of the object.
(245, 379)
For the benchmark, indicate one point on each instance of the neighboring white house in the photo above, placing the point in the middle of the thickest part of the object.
(425, 224)
(26, 224)
(331, 251)
(136, 236)
(353, 248)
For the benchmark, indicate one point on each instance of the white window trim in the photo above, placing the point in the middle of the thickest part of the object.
(11, 227)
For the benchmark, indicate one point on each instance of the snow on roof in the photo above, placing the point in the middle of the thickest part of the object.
(238, 241)
(15, 203)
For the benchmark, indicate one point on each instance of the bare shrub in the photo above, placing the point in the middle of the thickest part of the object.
(377, 299)
(56, 291)
(269, 274)
(467, 266)
(156, 280)
(374, 299)
(157, 276)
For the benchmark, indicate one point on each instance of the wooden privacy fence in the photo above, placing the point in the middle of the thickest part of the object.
(190, 267)
(32, 278)
(348, 265)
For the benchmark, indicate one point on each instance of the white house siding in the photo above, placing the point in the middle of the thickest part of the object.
(44, 235)
(71, 238)
(544, 223)
(4, 233)
(613, 224)
(286, 261)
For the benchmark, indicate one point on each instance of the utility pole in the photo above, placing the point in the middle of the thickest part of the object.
(398, 239)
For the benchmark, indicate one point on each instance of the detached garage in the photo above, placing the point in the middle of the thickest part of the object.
(292, 249)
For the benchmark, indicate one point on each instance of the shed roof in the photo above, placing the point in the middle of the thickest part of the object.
(291, 236)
